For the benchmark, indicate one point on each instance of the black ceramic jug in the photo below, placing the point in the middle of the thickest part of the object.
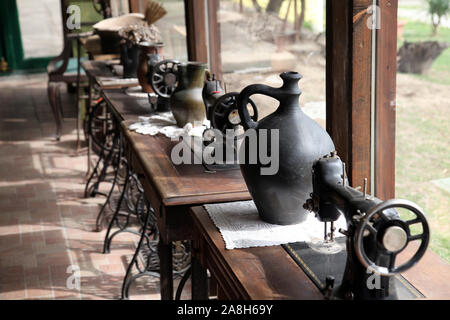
(280, 197)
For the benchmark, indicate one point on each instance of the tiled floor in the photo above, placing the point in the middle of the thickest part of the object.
(46, 226)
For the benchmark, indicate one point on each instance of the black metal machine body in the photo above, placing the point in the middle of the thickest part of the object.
(222, 112)
(163, 77)
(375, 233)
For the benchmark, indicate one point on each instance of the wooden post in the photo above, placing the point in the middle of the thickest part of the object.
(196, 30)
(135, 6)
(215, 58)
(385, 100)
(349, 48)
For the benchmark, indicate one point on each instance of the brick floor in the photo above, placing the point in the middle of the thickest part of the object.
(45, 223)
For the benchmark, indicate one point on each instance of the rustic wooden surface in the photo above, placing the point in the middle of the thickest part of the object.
(270, 273)
(96, 70)
(125, 107)
(264, 273)
(185, 184)
(431, 275)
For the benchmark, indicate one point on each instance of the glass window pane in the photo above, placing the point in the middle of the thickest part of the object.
(422, 125)
(173, 30)
(257, 45)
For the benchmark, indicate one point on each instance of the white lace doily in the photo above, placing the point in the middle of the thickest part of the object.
(241, 227)
(164, 123)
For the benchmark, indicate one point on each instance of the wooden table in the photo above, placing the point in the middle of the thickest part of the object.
(98, 70)
(95, 71)
(124, 107)
(171, 189)
(270, 273)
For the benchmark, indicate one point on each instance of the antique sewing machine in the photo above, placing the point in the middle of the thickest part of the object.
(163, 79)
(376, 234)
(225, 124)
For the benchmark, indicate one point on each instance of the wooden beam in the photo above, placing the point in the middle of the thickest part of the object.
(196, 30)
(136, 6)
(338, 76)
(214, 38)
(348, 71)
(385, 100)
(361, 95)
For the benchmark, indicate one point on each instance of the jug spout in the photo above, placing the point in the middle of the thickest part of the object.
(290, 82)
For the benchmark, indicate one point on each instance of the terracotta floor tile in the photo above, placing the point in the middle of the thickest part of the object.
(45, 222)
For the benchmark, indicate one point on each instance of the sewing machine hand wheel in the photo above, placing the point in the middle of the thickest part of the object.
(395, 239)
(224, 114)
(164, 79)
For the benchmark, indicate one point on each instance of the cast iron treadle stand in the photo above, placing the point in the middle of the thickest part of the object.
(119, 164)
(104, 132)
(150, 257)
(136, 205)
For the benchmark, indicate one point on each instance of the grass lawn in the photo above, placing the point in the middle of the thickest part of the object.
(422, 139)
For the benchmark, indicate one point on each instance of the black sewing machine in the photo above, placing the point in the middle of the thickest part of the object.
(225, 129)
(164, 81)
(376, 233)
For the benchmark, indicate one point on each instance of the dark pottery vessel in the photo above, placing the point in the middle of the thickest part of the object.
(110, 41)
(187, 102)
(280, 197)
(129, 58)
(150, 52)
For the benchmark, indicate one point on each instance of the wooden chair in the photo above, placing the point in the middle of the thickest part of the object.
(65, 69)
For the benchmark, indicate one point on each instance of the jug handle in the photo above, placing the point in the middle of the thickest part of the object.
(243, 98)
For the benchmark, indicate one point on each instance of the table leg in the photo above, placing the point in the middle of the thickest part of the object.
(166, 269)
(88, 110)
(78, 93)
(199, 280)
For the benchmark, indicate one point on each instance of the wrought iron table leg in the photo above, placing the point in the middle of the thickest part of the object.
(134, 210)
(101, 214)
(129, 279)
(100, 176)
(182, 283)
(93, 174)
(108, 239)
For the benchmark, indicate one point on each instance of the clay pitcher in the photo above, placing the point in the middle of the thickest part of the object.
(148, 51)
(279, 196)
(187, 102)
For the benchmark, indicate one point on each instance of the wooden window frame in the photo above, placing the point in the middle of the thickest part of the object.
(349, 90)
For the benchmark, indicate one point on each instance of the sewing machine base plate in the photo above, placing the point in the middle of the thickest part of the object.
(318, 264)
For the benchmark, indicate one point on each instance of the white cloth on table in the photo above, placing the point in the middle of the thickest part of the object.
(165, 123)
(241, 227)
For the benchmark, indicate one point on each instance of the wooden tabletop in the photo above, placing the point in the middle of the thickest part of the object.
(125, 107)
(101, 72)
(97, 68)
(262, 273)
(270, 273)
(185, 184)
